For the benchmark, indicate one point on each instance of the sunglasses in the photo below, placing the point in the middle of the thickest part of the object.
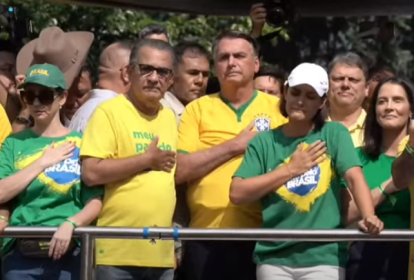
(45, 97)
(163, 73)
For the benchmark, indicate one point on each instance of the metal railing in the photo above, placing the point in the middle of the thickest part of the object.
(89, 234)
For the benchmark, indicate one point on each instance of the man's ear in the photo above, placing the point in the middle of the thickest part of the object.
(125, 74)
(170, 81)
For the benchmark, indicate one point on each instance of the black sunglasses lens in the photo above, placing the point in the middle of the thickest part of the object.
(146, 69)
(44, 97)
(165, 73)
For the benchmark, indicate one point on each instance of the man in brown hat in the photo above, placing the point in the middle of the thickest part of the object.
(66, 50)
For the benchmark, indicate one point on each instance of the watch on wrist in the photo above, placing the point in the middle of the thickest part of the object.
(21, 120)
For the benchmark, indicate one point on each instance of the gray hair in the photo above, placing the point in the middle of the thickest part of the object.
(153, 44)
(350, 59)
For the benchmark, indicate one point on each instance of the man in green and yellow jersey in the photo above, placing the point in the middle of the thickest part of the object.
(348, 88)
(129, 146)
(213, 136)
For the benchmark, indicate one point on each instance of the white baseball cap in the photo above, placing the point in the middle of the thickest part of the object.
(310, 74)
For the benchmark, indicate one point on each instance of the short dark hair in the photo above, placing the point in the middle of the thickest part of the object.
(319, 119)
(273, 71)
(373, 133)
(152, 29)
(234, 34)
(86, 68)
(190, 46)
(350, 59)
(155, 44)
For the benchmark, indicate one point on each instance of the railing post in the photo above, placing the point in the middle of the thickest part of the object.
(87, 256)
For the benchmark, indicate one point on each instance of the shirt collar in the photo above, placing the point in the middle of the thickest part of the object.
(173, 101)
(97, 93)
(359, 123)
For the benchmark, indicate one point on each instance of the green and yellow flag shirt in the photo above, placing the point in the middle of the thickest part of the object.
(394, 215)
(310, 201)
(56, 194)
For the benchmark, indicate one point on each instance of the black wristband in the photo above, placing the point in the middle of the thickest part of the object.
(21, 120)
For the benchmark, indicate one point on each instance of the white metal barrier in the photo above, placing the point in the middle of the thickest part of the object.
(89, 234)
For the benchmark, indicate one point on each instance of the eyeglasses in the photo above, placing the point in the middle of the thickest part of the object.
(46, 96)
(163, 73)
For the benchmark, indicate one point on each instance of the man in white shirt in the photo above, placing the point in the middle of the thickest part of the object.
(190, 77)
(113, 80)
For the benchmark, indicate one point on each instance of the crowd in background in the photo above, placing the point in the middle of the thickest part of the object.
(156, 141)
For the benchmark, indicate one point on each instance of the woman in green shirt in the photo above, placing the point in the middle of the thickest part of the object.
(295, 172)
(40, 174)
(385, 130)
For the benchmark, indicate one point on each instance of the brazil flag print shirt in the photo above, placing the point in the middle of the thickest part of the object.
(56, 194)
(310, 201)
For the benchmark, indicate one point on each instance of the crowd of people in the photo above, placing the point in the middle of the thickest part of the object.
(157, 142)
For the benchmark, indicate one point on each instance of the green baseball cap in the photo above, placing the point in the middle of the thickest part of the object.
(46, 75)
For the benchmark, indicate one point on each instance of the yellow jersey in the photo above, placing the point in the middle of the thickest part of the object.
(357, 130)
(5, 126)
(118, 130)
(210, 121)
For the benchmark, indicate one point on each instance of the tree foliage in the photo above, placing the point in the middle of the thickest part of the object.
(308, 39)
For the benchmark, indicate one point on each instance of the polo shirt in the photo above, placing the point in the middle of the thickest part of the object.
(210, 121)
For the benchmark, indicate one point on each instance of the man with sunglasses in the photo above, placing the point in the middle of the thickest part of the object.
(129, 146)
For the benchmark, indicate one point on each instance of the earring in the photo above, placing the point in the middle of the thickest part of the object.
(60, 106)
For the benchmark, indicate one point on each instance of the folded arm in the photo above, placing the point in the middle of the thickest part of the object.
(14, 184)
(97, 171)
(193, 166)
(244, 191)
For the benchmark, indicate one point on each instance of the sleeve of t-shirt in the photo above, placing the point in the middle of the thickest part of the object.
(99, 140)
(5, 127)
(188, 131)
(6, 158)
(343, 153)
(88, 193)
(253, 160)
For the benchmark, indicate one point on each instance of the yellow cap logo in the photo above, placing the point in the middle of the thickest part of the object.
(39, 72)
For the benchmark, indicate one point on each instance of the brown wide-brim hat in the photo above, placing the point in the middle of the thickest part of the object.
(66, 50)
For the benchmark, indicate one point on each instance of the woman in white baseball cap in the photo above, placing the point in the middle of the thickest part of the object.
(295, 171)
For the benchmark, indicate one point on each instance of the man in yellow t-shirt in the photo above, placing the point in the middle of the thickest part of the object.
(213, 135)
(348, 88)
(5, 127)
(129, 146)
